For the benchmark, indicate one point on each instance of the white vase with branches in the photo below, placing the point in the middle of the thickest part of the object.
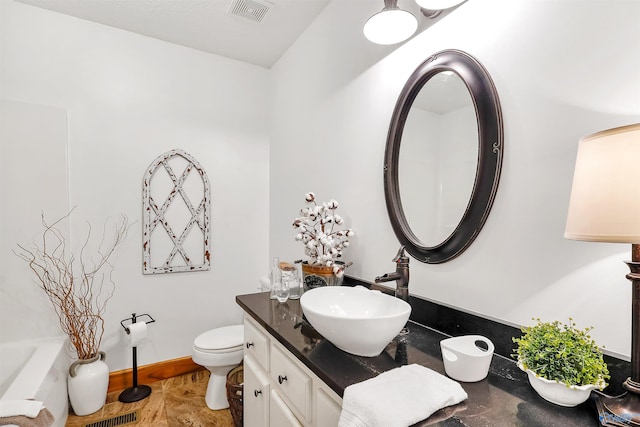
(79, 289)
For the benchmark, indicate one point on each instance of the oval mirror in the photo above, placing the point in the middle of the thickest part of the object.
(443, 156)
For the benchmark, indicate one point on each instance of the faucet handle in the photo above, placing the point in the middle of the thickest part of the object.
(401, 257)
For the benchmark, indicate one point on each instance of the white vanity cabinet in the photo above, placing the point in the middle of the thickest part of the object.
(279, 391)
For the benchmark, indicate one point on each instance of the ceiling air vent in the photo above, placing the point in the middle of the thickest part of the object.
(253, 10)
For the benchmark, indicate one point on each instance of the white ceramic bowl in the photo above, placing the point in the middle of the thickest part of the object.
(355, 319)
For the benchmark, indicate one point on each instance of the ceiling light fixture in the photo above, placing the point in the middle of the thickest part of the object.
(391, 25)
(438, 4)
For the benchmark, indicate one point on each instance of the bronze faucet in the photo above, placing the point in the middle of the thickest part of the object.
(401, 275)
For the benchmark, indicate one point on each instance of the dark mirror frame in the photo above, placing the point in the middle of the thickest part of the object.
(490, 153)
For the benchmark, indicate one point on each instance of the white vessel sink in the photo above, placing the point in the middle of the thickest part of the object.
(355, 319)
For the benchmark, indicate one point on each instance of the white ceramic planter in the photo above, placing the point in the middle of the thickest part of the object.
(88, 382)
(464, 360)
(558, 392)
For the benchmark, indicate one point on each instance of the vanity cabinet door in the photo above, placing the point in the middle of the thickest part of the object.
(327, 409)
(279, 413)
(292, 381)
(256, 344)
(256, 395)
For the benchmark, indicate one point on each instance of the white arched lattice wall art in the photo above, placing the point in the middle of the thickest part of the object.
(176, 197)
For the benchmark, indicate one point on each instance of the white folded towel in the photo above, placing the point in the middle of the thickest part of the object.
(398, 398)
(27, 408)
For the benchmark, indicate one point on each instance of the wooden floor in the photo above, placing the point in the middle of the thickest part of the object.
(174, 402)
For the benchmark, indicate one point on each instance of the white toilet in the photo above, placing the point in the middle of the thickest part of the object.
(219, 350)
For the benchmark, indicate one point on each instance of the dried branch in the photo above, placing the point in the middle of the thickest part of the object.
(79, 300)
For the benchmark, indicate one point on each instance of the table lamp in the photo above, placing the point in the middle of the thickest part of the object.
(605, 207)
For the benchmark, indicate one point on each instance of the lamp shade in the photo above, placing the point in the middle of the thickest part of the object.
(605, 197)
(390, 26)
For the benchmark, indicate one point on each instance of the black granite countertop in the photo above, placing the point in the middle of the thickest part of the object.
(504, 398)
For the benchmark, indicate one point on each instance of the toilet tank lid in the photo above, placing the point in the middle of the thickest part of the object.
(221, 338)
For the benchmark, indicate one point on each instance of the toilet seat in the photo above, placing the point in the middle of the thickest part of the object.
(226, 339)
(219, 350)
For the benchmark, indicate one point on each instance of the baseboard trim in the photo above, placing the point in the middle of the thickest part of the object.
(121, 380)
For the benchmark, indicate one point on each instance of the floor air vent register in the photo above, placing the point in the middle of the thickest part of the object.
(115, 421)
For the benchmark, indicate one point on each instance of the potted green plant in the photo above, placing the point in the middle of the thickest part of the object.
(563, 362)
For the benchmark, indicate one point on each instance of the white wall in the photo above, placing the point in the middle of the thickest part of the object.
(128, 99)
(24, 308)
(563, 69)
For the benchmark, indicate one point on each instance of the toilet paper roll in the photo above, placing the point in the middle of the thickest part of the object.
(137, 333)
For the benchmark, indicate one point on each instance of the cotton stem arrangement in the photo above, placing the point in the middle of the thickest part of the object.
(79, 299)
(319, 231)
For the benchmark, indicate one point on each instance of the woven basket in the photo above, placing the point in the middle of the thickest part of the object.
(235, 380)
